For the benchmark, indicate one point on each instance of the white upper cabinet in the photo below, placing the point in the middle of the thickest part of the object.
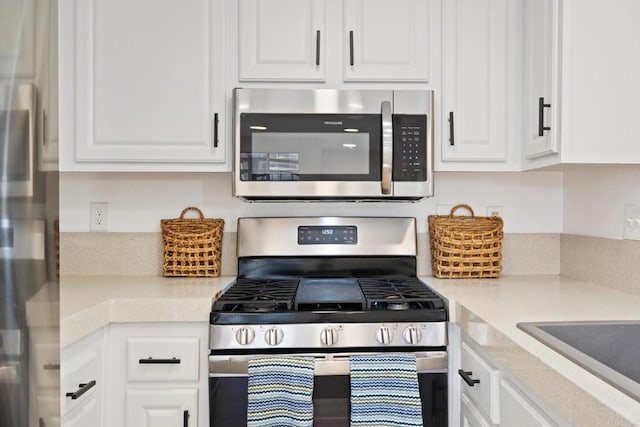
(540, 91)
(601, 88)
(359, 40)
(142, 85)
(282, 39)
(17, 38)
(480, 130)
(386, 40)
(583, 62)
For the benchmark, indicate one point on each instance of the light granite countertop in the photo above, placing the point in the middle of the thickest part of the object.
(91, 302)
(486, 309)
(489, 310)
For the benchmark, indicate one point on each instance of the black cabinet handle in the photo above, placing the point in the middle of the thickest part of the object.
(41, 422)
(185, 418)
(466, 376)
(318, 47)
(152, 361)
(82, 390)
(351, 48)
(51, 367)
(541, 107)
(215, 130)
(452, 140)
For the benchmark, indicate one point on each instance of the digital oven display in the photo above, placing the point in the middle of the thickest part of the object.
(327, 235)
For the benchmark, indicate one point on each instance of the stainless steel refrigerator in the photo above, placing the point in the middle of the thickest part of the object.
(29, 285)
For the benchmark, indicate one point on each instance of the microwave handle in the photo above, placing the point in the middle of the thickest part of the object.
(387, 146)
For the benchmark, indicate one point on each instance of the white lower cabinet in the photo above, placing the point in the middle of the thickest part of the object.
(82, 382)
(162, 408)
(480, 384)
(158, 375)
(517, 410)
(470, 415)
(488, 396)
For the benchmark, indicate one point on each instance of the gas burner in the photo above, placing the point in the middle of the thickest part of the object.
(258, 307)
(395, 303)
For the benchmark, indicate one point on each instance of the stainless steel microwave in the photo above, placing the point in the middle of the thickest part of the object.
(333, 144)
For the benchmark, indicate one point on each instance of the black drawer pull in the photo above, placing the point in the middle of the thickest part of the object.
(351, 48)
(466, 376)
(215, 130)
(452, 140)
(51, 367)
(185, 418)
(541, 107)
(318, 47)
(82, 390)
(152, 361)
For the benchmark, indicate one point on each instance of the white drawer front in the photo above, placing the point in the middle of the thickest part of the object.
(516, 409)
(78, 372)
(163, 359)
(470, 416)
(484, 394)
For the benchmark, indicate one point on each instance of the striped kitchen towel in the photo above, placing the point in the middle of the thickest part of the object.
(384, 391)
(280, 392)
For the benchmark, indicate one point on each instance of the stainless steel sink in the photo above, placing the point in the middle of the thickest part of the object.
(610, 350)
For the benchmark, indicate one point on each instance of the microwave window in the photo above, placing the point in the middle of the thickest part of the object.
(14, 143)
(310, 153)
(310, 147)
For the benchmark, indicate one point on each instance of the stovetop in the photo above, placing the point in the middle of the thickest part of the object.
(327, 294)
(310, 300)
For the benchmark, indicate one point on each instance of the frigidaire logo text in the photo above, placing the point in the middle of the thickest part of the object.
(332, 122)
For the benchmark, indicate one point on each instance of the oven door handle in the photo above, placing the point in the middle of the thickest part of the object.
(227, 366)
(387, 147)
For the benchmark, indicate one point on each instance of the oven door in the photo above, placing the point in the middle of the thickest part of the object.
(331, 394)
(312, 144)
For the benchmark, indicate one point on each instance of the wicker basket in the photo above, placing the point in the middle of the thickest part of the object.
(192, 246)
(465, 246)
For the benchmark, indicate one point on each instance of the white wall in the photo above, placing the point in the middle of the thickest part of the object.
(594, 199)
(532, 201)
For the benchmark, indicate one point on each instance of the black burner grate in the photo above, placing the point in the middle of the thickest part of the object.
(399, 294)
(263, 295)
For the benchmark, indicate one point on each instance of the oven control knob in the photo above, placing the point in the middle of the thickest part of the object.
(329, 336)
(245, 336)
(273, 336)
(412, 335)
(383, 335)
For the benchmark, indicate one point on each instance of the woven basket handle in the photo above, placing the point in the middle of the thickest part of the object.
(191, 208)
(467, 207)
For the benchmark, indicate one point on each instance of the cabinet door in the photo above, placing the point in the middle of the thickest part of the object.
(17, 38)
(541, 118)
(162, 408)
(86, 415)
(600, 85)
(477, 81)
(470, 416)
(282, 40)
(386, 40)
(146, 82)
(516, 409)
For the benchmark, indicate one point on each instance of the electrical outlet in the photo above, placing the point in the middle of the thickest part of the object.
(631, 227)
(494, 211)
(98, 216)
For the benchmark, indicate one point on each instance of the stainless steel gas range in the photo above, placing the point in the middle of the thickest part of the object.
(327, 288)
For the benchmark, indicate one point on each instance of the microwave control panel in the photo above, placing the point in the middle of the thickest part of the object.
(409, 147)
